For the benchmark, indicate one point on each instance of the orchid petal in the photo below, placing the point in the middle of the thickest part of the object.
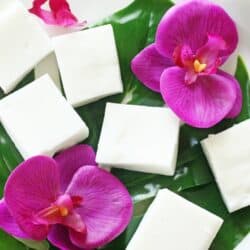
(74, 222)
(190, 77)
(107, 207)
(190, 23)
(45, 15)
(148, 66)
(31, 187)
(209, 53)
(92, 11)
(77, 238)
(201, 104)
(8, 224)
(59, 237)
(235, 111)
(60, 13)
(70, 160)
(183, 56)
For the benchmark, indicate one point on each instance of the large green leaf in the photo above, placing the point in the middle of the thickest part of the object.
(135, 28)
(9, 243)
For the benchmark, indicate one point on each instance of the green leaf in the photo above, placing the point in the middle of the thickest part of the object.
(9, 155)
(243, 78)
(236, 225)
(36, 245)
(9, 243)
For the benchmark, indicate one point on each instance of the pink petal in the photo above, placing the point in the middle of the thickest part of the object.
(235, 111)
(8, 224)
(183, 56)
(45, 15)
(31, 187)
(74, 222)
(60, 13)
(148, 66)
(70, 160)
(107, 207)
(59, 237)
(77, 238)
(201, 104)
(190, 76)
(209, 53)
(190, 23)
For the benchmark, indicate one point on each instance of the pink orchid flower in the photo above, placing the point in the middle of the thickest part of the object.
(193, 40)
(60, 13)
(69, 200)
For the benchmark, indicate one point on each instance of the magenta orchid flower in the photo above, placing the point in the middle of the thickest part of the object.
(59, 15)
(69, 200)
(193, 40)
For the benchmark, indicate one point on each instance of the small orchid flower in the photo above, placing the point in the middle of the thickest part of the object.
(69, 200)
(239, 11)
(60, 13)
(183, 64)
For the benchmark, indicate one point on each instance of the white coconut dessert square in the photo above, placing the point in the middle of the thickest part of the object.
(40, 121)
(139, 138)
(229, 159)
(173, 223)
(89, 65)
(23, 43)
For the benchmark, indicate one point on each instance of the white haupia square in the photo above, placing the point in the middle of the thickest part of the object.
(174, 223)
(39, 120)
(89, 65)
(228, 154)
(139, 138)
(23, 43)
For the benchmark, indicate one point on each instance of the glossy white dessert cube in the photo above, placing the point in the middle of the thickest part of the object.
(174, 223)
(23, 43)
(228, 154)
(139, 138)
(244, 244)
(40, 121)
(89, 65)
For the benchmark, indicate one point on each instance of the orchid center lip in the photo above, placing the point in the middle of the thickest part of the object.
(64, 211)
(198, 66)
(49, 214)
(54, 211)
(61, 208)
